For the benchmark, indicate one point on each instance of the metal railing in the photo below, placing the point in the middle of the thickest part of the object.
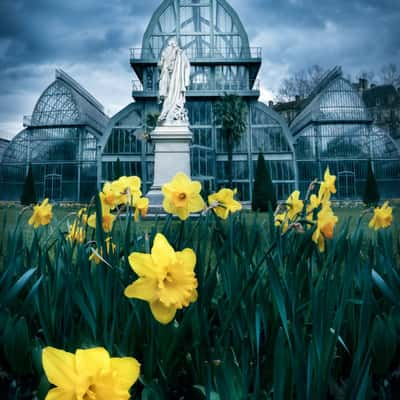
(217, 86)
(230, 53)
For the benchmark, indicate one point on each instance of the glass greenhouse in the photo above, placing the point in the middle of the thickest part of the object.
(73, 146)
(335, 130)
(222, 61)
(60, 142)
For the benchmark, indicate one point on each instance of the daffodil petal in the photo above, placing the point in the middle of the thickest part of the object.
(92, 221)
(90, 361)
(168, 207)
(128, 370)
(195, 186)
(143, 289)
(188, 258)
(162, 313)
(162, 252)
(60, 394)
(59, 367)
(181, 179)
(196, 203)
(142, 264)
(182, 213)
(221, 212)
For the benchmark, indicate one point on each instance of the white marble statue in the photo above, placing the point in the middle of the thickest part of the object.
(174, 79)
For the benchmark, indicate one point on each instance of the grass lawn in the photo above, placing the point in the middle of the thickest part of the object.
(9, 214)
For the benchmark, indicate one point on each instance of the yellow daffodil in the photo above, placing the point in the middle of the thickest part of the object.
(82, 215)
(42, 214)
(110, 197)
(88, 374)
(129, 189)
(124, 190)
(382, 217)
(326, 222)
(294, 204)
(76, 233)
(110, 247)
(141, 207)
(327, 186)
(166, 279)
(182, 196)
(107, 219)
(223, 202)
(282, 220)
(313, 203)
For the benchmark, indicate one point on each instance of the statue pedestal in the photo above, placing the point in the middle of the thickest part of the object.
(171, 155)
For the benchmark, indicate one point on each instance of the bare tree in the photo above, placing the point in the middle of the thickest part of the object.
(301, 83)
(390, 75)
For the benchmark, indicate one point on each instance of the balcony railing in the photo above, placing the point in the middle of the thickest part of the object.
(217, 86)
(228, 53)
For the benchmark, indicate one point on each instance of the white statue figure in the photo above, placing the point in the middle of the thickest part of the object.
(174, 79)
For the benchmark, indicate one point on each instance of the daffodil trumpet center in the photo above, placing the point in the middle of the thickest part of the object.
(90, 393)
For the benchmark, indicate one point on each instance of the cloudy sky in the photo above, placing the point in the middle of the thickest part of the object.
(90, 40)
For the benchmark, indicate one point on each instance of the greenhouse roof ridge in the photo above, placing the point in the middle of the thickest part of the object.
(60, 74)
(330, 75)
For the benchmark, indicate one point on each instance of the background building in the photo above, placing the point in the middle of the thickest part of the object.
(289, 110)
(383, 102)
(73, 146)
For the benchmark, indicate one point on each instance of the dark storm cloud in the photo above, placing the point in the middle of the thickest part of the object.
(45, 31)
(90, 40)
(358, 34)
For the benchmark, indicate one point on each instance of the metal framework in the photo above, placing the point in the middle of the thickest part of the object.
(217, 45)
(60, 142)
(72, 145)
(336, 130)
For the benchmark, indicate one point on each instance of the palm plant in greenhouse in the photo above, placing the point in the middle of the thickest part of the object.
(230, 114)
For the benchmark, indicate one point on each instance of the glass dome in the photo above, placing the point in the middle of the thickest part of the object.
(203, 28)
(55, 106)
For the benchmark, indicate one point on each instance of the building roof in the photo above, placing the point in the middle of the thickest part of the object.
(294, 105)
(217, 21)
(333, 99)
(66, 102)
(383, 95)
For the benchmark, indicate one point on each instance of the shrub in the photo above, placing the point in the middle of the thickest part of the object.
(371, 193)
(28, 195)
(264, 191)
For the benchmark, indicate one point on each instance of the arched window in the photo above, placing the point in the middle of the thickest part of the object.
(55, 106)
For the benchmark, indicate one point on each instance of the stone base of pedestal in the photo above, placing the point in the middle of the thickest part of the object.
(171, 155)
